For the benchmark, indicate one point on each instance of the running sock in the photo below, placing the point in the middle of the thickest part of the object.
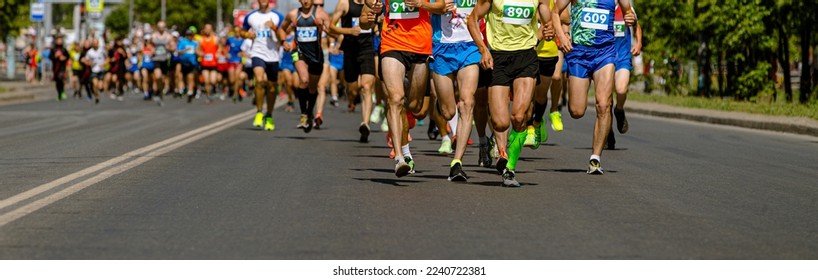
(456, 161)
(406, 152)
(596, 157)
(484, 141)
(539, 113)
(453, 123)
(301, 94)
(446, 138)
(515, 146)
(311, 100)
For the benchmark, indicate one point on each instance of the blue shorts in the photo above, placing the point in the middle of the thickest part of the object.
(133, 69)
(148, 66)
(623, 59)
(336, 61)
(287, 62)
(270, 68)
(565, 64)
(450, 57)
(585, 61)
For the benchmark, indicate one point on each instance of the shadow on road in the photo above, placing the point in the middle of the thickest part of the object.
(392, 182)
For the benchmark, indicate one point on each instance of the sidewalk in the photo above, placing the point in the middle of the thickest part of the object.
(797, 125)
(21, 92)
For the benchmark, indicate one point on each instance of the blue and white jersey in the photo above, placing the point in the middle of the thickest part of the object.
(265, 45)
(451, 27)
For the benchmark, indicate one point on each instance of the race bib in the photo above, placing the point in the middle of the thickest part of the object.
(190, 50)
(464, 6)
(399, 10)
(264, 34)
(518, 13)
(161, 50)
(222, 59)
(146, 59)
(208, 57)
(356, 21)
(619, 28)
(594, 18)
(307, 34)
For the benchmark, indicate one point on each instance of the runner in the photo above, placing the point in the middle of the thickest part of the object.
(60, 56)
(118, 57)
(406, 46)
(188, 61)
(336, 65)
(625, 51)
(95, 59)
(208, 51)
(161, 58)
(592, 54)
(223, 67)
(266, 34)
(308, 23)
(76, 68)
(287, 71)
(147, 69)
(549, 79)
(359, 58)
(133, 75)
(456, 58)
(512, 33)
(236, 68)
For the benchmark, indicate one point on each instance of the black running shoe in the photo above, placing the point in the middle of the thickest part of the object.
(621, 121)
(310, 123)
(432, 131)
(485, 159)
(456, 174)
(364, 130)
(611, 141)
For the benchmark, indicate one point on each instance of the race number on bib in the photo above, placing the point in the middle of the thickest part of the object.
(356, 21)
(465, 6)
(307, 34)
(208, 57)
(619, 28)
(161, 50)
(146, 59)
(594, 18)
(399, 10)
(264, 34)
(518, 13)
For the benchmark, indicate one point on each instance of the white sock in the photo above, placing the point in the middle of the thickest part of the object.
(446, 138)
(405, 150)
(596, 157)
(453, 123)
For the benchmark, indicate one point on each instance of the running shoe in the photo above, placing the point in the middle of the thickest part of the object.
(421, 123)
(621, 121)
(269, 125)
(445, 147)
(411, 163)
(319, 120)
(509, 180)
(62, 96)
(432, 131)
(556, 121)
(310, 122)
(531, 138)
(364, 130)
(402, 169)
(501, 163)
(302, 124)
(290, 107)
(376, 115)
(259, 120)
(384, 125)
(594, 167)
(456, 173)
(485, 159)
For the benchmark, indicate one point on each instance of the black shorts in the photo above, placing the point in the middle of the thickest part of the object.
(98, 75)
(210, 68)
(77, 73)
(406, 58)
(548, 65)
(314, 68)
(188, 68)
(163, 66)
(271, 68)
(510, 65)
(358, 63)
(249, 72)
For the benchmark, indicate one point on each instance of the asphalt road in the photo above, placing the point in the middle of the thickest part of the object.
(673, 190)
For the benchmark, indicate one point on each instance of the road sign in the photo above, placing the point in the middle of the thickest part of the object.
(94, 6)
(37, 12)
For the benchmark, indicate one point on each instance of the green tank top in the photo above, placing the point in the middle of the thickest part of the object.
(511, 25)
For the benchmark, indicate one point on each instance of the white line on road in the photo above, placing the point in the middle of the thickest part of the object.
(142, 155)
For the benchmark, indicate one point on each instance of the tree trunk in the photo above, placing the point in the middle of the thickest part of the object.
(720, 74)
(784, 59)
(806, 79)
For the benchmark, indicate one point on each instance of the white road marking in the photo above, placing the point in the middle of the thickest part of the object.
(114, 167)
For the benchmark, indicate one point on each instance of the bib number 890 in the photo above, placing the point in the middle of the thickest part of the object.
(516, 12)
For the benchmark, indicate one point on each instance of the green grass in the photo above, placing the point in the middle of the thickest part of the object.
(2, 90)
(771, 108)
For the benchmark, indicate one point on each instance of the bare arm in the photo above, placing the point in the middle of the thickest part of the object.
(636, 49)
(630, 16)
(369, 15)
(340, 10)
(565, 41)
(545, 20)
(480, 10)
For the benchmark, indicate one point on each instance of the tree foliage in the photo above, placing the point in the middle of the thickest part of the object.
(13, 16)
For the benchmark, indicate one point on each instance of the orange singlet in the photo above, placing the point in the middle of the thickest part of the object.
(406, 29)
(210, 47)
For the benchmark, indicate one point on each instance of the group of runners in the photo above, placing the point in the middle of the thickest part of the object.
(464, 63)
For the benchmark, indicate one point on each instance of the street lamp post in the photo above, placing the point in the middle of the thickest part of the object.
(163, 10)
(219, 21)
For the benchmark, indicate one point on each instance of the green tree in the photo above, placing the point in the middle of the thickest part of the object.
(13, 16)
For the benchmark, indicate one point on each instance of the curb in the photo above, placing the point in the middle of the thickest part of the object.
(33, 95)
(796, 125)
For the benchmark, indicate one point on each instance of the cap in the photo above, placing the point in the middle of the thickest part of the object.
(189, 32)
(192, 28)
